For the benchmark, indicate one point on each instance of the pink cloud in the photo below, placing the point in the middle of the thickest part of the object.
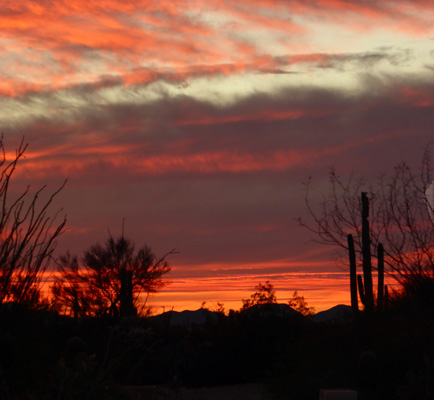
(121, 38)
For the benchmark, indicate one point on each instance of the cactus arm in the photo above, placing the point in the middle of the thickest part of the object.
(380, 293)
(361, 290)
(353, 274)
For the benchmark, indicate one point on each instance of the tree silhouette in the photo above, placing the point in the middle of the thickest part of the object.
(27, 234)
(298, 303)
(109, 280)
(399, 218)
(264, 294)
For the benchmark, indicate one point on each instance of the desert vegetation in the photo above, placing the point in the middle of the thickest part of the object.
(94, 339)
(108, 280)
(48, 355)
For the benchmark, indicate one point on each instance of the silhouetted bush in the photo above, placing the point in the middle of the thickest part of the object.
(293, 355)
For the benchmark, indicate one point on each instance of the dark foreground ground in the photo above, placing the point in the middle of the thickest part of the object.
(261, 354)
(251, 391)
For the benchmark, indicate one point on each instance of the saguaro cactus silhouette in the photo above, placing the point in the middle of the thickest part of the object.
(365, 285)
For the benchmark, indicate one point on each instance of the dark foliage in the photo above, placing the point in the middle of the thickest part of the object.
(108, 278)
(264, 294)
(48, 356)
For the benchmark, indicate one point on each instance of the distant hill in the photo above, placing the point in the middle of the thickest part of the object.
(339, 313)
(185, 318)
(271, 310)
(202, 316)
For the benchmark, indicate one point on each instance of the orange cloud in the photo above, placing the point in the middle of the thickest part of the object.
(64, 42)
(86, 160)
(266, 115)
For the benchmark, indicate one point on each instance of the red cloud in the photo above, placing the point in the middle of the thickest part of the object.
(265, 115)
(76, 42)
(417, 96)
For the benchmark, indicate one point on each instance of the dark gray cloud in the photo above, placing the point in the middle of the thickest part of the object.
(221, 215)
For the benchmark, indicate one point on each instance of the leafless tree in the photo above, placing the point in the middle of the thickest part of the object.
(27, 233)
(399, 217)
(98, 283)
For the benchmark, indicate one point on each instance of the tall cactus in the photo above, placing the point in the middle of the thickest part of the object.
(366, 253)
(364, 285)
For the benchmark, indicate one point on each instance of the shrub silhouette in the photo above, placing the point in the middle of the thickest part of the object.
(264, 294)
(109, 279)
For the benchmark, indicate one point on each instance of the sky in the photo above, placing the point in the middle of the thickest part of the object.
(198, 122)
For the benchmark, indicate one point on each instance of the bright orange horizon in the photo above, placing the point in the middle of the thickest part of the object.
(321, 291)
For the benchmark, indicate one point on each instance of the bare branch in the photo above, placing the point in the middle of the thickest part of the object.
(399, 217)
(27, 234)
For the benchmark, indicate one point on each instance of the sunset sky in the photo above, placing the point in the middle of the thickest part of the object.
(199, 121)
